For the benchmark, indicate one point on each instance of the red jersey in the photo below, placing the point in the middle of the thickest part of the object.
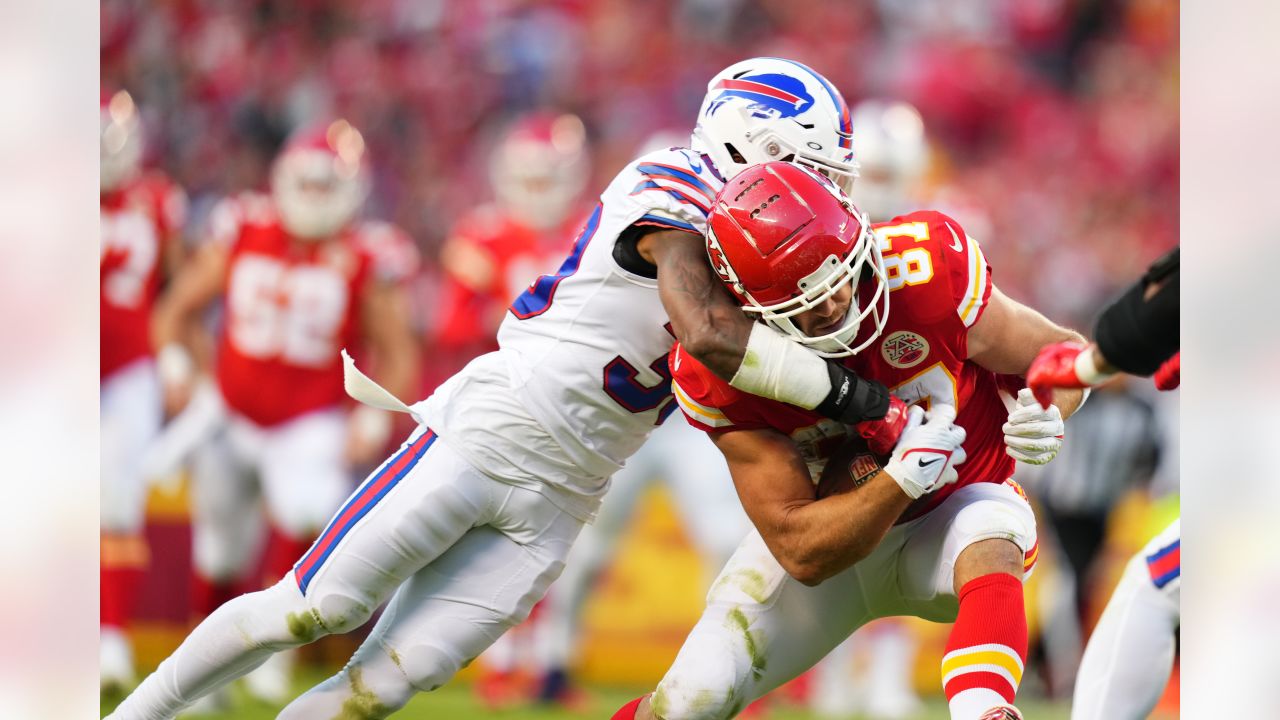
(138, 222)
(290, 305)
(471, 305)
(939, 284)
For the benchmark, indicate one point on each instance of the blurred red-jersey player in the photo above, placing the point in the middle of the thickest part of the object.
(141, 222)
(300, 279)
(538, 172)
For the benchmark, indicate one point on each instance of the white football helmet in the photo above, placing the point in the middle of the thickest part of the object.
(121, 139)
(888, 136)
(540, 168)
(320, 180)
(766, 109)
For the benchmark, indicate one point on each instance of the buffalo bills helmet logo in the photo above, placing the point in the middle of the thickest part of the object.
(771, 95)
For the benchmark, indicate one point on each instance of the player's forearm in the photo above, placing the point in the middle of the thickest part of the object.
(397, 365)
(816, 540)
(1139, 331)
(171, 323)
(710, 326)
(1068, 400)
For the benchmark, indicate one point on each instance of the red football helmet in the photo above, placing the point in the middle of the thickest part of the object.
(784, 239)
(320, 180)
(540, 168)
(121, 139)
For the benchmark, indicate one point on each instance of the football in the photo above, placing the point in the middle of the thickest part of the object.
(851, 465)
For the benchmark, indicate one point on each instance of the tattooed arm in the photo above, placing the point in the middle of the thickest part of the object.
(707, 320)
(749, 355)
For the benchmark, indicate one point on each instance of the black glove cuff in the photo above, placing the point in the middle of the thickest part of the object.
(853, 399)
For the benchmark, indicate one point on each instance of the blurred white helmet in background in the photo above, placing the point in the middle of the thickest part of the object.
(663, 140)
(540, 169)
(121, 138)
(320, 180)
(893, 154)
(766, 109)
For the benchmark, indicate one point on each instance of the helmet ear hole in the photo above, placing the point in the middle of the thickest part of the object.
(734, 154)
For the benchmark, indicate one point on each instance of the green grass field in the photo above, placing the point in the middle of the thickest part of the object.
(456, 702)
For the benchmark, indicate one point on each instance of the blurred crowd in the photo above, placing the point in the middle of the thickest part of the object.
(1051, 130)
(1053, 124)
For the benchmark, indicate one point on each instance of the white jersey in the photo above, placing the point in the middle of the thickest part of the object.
(581, 376)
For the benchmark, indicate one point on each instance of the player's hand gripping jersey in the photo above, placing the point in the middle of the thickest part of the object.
(581, 377)
(291, 305)
(939, 282)
(138, 222)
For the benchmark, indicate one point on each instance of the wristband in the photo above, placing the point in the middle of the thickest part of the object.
(1087, 370)
(371, 424)
(853, 399)
(780, 369)
(174, 365)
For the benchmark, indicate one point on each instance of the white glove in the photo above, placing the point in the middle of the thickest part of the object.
(926, 454)
(1033, 434)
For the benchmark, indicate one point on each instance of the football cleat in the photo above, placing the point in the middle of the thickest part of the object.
(1002, 712)
(115, 661)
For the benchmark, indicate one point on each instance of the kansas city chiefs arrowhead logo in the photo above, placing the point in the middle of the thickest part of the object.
(904, 349)
(719, 262)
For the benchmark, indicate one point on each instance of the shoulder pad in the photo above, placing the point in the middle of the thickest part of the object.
(931, 253)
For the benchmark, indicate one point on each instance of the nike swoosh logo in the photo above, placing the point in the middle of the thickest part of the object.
(694, 164)
(927, 463)
(955, 239)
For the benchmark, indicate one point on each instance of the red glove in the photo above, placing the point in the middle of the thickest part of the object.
(882, 435)
(1169, 376)
(1054, 367)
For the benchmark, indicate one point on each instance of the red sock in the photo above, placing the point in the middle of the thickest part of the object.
(987, 649)
(207, 595)
(122, 560)
(628, 711)
(281, 554)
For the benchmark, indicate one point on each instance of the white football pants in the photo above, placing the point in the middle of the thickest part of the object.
(295, 471)
(696, 473)
(762, 627)
(130, 415)
(1129, 657)
(466, 557)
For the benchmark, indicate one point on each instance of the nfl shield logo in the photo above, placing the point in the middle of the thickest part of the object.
(904, 349)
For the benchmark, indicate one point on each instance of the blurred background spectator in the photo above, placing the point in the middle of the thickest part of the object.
(1052, 137)
(1054, 124)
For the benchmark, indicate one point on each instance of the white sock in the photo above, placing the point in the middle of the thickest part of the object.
(972, 703)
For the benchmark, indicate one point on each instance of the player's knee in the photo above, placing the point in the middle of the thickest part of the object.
(988, 557)
(337, 611)
(428, 667)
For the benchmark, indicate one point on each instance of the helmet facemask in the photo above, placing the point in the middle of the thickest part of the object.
(318, 190)
(540, 169)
